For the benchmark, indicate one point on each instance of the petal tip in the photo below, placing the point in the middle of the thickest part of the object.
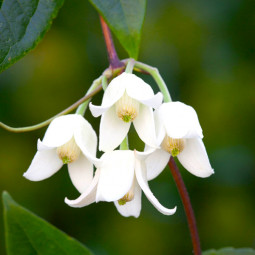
(94, 110)
(159, 97)
(28, 176)
(71, 203)
(67, 201)
(174, 210)
(207, 173)
(171, 211)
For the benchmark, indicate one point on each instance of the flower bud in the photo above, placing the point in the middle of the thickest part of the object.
(69, 152)
(127, 108)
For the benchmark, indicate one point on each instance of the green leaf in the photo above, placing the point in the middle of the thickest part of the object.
(125, 18)
(25, 233)
(230, 251)
(23, 23)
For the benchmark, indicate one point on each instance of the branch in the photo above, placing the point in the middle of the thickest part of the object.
(187, 206)
(112, 54)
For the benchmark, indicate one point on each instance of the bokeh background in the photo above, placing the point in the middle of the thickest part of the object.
(205, 51)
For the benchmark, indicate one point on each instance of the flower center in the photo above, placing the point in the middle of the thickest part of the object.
(69, 152)
(129, 196)
(173, 146)
(127, 108)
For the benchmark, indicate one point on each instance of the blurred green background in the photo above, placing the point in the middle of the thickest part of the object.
(205, 51)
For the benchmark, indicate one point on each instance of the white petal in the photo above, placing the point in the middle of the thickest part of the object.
(44, 165)
(180, 120)
(86, 139)
(159, 127)
(137, 88)
(98, 110)
(140, 172)
(194, 158)
(112, 130)
(142, 155)
(154, 101)
(156, 163)
(88, 197)
(117, 174)
(145, 126)
(113, 93)
(42, 147)
(81, 173)
(115, 90)
(60, 130)
(132, 208)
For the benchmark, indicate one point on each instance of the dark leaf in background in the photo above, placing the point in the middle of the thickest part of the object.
(23, 23)
(125, 18)
(25, 233)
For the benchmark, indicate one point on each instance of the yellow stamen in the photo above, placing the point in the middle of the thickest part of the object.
(129, 196)
(69, 152)
(127, 108)
(173, 146)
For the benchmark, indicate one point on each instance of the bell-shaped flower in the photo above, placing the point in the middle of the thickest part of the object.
(179, 134)
(120, 178)
(71, 140)
(127, 99)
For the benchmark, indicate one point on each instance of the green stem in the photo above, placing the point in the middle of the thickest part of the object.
(130, 66)
(124, 144)
(96, 83)
(104, 82)
(157, 77)
(47, 122)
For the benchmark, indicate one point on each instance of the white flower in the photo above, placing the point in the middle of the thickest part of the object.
(127, 99)
(179, 134)
(71, 140)
(119, 178)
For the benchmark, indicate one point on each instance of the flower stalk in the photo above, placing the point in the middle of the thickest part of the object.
(130, 66)
(157, 77)
(47, 122)
(104, 82)
(96, 83)
(187, 206)
(124, 145)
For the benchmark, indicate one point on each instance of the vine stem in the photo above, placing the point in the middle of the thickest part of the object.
(115, 62)
(112, 54)
(187, 206)
(47, 122)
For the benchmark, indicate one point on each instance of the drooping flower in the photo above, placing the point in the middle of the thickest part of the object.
(179, 134)
(127, 99)
(120, 178)
(69, 139)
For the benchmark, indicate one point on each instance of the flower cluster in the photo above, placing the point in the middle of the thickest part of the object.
(172, 129)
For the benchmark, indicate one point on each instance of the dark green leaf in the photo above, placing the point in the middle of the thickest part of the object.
(26, 233)
(230, 251)
(23, 24)
(125, 18)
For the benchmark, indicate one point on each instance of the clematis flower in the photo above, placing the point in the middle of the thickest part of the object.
(71, 140)
(120, 178)
(127, 99)
(179, 135)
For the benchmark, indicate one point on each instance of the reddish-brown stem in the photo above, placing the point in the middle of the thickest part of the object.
(116, 63)
(187, 206)
(112, 54)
